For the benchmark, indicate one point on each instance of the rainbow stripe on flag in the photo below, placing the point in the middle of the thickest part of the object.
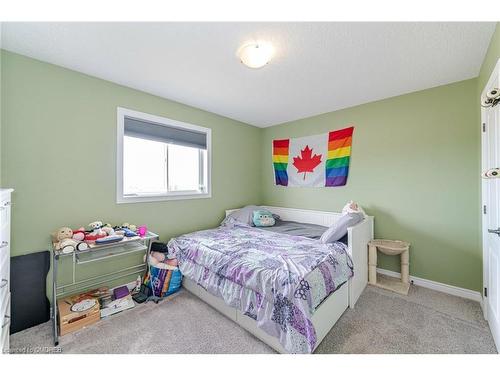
(314, 161)
(339, 154)
(280, 161)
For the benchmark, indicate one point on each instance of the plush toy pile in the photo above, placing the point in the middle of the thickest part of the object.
(163, 277)
(68, 240)
(160, 258)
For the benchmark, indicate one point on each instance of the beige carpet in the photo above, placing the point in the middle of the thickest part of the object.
(383, 322)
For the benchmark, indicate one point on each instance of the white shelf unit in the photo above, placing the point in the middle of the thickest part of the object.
(95, 253)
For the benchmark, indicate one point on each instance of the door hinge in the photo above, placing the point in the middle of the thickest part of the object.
(484, 127)
(486, 292)
(484, 209)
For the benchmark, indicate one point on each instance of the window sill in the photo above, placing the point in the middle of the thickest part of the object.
(159, 198)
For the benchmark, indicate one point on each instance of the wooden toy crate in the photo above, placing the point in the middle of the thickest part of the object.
(70, 321)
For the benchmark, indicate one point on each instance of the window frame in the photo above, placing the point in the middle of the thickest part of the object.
(121, 113)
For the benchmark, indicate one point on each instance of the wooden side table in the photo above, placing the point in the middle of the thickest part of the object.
(390, 247)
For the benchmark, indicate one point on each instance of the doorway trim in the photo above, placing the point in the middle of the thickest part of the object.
(493, 81)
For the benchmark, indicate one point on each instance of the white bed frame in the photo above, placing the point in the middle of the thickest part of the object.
(330, 310)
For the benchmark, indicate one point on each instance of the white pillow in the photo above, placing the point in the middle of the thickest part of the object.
(339, 229)
(243, 215)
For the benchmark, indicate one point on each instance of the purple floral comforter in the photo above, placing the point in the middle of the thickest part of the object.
(276, 279)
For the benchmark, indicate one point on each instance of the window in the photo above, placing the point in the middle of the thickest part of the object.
(161, 159)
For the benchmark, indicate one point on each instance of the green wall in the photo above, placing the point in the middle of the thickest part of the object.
(415, 167)
(58, 147)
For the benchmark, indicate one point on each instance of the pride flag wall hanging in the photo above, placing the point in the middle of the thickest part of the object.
(314, 161)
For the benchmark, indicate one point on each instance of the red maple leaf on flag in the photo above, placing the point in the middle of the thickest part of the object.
(306, 162)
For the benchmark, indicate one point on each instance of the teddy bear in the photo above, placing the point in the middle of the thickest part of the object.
(63, 233)
(67, 242)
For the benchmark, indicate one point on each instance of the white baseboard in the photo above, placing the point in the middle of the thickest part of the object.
(440, 287)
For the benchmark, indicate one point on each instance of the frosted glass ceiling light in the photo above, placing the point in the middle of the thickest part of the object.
(256, 55)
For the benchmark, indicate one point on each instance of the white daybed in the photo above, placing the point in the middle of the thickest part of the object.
(333, 307)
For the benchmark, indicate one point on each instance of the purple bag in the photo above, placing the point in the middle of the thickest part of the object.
(120, 292)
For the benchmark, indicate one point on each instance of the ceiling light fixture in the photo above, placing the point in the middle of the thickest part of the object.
(256, 54)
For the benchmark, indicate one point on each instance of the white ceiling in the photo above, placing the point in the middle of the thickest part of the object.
(318, 67)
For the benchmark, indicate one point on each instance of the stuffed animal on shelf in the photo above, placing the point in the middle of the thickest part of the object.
(97, 230)
(108, 229)
(68, 245)
(132, 227)
(79, 234)
(91, 238)
(126, 229)
(62, 233)
(66, 242)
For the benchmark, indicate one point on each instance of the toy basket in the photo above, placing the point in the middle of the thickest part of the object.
(162, 282)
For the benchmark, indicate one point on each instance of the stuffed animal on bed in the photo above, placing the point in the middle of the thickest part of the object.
(352, 207)
(263, 218)
(352, 213)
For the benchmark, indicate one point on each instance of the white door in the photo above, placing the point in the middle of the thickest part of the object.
(491, 211)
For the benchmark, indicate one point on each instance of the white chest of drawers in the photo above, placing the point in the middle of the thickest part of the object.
(5, 204)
